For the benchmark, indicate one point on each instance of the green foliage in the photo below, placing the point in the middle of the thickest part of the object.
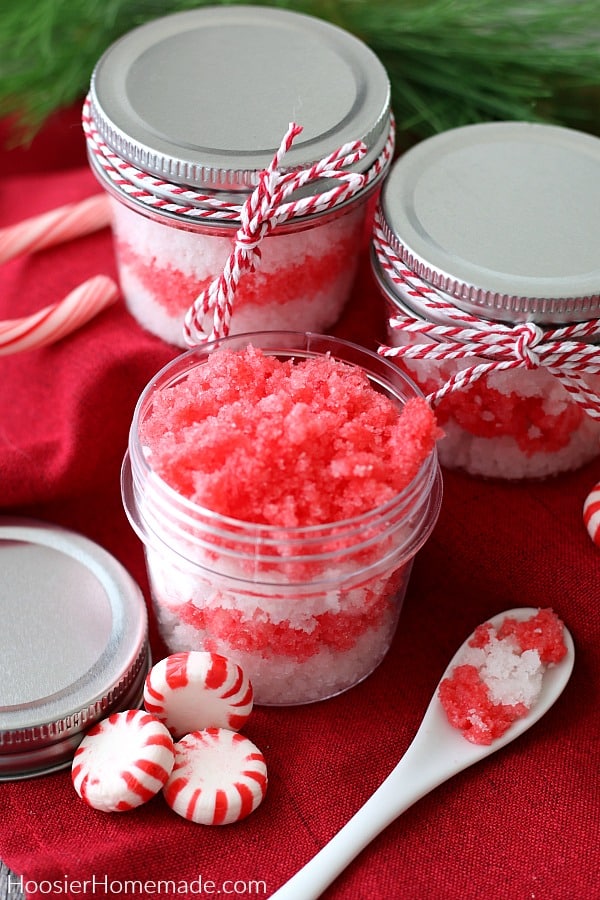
(450, 62)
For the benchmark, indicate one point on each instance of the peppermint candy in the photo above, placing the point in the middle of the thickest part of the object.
(591, 514)
(123, 761)
(219, 777)
(197, 690)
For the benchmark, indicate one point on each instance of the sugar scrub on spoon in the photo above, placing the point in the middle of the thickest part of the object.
(438, 751)
(499, 677)
(282, 484)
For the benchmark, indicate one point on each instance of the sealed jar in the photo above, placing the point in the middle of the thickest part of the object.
(486, 248)
(183, 115)
(307, 610)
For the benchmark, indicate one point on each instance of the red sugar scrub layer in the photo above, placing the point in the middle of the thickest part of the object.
(283, 442)
(500, 676)
(513, 424)
(303, 281)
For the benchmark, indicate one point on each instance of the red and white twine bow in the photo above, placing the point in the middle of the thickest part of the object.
(268, 206)
(263, 211)
(565, 352)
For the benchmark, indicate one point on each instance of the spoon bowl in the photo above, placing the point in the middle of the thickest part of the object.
(437, 752)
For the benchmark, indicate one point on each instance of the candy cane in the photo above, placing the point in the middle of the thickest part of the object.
(80, 305)
(54, 227)
(59, 319)
(564, 352)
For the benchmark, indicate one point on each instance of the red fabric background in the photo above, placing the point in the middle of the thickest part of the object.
(523, 824)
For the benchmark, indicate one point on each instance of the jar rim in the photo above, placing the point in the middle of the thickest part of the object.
(202, 222)
(75, 593)
(421, 483)
(145, 86)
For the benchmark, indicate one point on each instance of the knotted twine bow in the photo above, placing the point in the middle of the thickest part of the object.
(264, 209)
(564, 352)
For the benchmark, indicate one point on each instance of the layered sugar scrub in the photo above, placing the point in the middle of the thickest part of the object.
(190, 184)
(499, 677)
(493, 289)
(511, 424)
(303, 282)
(282, 485)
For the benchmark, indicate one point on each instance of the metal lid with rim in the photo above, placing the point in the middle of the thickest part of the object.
(502, 217)
(73, 644)
(204, 98)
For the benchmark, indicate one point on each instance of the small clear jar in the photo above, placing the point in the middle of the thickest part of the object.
(183, 115)
(484, 248)
(308, 612)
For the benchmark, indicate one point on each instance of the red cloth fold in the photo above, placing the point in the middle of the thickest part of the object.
(521, 824)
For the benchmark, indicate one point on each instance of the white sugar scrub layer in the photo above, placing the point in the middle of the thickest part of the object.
(297, 649)
(512, 424)
(302, 284)
(281, 502)
(499, 676)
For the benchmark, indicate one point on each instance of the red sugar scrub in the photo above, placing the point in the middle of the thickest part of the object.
(282, 484)
(303, 281)
(499, 678)
(512, 425)
(284, 443)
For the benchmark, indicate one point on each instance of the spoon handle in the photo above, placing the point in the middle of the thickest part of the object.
(438, 752)
(417, 773)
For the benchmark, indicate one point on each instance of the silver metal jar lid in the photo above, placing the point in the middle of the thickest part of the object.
(204, 98)
(73, 644)
(503, 217)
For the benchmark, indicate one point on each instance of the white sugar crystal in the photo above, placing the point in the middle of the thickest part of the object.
(510, 675)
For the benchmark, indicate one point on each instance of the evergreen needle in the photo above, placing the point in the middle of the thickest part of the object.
(450, 62)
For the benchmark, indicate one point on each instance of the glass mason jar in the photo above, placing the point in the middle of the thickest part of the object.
(484, 248)
(183, 115)
(306, 611)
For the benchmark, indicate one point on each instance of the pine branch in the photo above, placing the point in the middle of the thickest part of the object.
(450, 62)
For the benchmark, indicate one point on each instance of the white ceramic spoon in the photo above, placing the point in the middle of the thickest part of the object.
(438, 752)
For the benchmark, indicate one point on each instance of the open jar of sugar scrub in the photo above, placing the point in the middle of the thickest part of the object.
(183, 115)
(486, 248)
(282, 484)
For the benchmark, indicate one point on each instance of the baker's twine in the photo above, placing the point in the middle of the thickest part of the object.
(264, 210)
(563, 352)
(267, 207)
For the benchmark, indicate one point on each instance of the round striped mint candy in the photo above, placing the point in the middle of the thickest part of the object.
(123, 761)
(196, 690)
(591, 513)
(219, 777)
